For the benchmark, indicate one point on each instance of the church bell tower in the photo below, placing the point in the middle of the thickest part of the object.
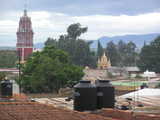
(24, 37)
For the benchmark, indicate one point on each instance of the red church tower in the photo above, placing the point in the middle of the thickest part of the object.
(24, 37)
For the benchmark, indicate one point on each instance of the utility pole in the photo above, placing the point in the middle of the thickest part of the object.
(19, 69)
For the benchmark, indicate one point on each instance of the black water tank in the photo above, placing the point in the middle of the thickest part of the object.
(6, 88)
(85, 96)
(105, 94)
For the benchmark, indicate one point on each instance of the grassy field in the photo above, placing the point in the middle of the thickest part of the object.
(128, 83)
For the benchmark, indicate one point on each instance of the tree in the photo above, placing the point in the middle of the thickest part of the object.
(100, 49)
(127, 53)
(8, 58)
(51, 41)
(63, 43)
(122, 52)
(112, 53)
(78, 49)
(130, 54)
(49, 70)
(75, 30)
(82, 55)
(150, 56)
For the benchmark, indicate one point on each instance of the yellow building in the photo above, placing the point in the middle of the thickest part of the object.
(104, 62)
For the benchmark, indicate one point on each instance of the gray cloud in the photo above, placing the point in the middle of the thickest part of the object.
(55, 24)
(103, 17)
(85, 7)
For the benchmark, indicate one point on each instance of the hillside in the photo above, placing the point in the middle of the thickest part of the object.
(137, 39)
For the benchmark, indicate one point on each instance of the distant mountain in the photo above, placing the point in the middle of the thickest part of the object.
(137, 39)
(39, 45)
(7, 48)
(36, 45)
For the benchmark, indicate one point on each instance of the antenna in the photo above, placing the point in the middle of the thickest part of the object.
(25, 4)
(25, 7)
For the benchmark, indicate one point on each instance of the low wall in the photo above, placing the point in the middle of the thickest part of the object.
(127, 115)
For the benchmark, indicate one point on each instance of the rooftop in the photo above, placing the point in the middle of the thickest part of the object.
(35, 111)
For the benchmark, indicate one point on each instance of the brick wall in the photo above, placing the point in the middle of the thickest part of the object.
(127, 115)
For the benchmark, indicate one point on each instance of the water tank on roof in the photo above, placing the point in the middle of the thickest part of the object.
(6, 88)
(105, 94)
(85, 96)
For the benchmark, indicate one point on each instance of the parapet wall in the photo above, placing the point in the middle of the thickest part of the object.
(127, 115)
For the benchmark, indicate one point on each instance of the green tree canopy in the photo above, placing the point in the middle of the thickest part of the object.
(100, 49)
(75, 30)
(78, 49)
(49, 70)
(122, 52)
(51, 41)
(130, 54)
(150, 56)
(127, 53)
(8, 58)
(112, 53)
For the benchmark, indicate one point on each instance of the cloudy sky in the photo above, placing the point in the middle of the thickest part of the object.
(50, 18)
